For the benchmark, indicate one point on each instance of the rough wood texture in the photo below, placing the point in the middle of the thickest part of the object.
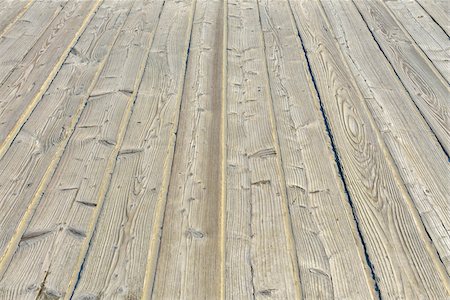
(260, 259)
(439, 11)
(418, 156)
(317, 203)
(428, 90)
(30, 161)
(191, 232)
(139, 186)
(11, 11)
(428, 35)
(224, 149)
(389, 225)
(24, 87)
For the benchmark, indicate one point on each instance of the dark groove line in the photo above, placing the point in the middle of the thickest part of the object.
(48, 27)
(401, 81)
(68, 138)
(80, 271)
(434, 20)
(338, 162)
(277, 142)
(158, 251)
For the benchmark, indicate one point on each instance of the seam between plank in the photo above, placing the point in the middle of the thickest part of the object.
(16, 18)
(223, 197)
(36, 99)
(402, 83)
(155, 244)
(429, 245)
(23, 223)
(107, 174)
(289, 231)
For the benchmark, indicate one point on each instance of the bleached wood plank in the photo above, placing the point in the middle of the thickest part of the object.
(191, 240)
(433, 41)
(24, 87)
(439, 11)
(260, 253)
(32, 158)
(428, 90)
(128, 230)
(33, 155)
(331, 261)
(24, 34)
(419, 158)
(11, 11)
(404, 261)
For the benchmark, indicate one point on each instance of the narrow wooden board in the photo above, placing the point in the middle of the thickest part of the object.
(433, 41)
(11, 11)
(428, 90)
(260, 253)
(403, 260)
(25, 33)
(331, 258)
(34, 155)
(191, 240)
(128, 230)
(439, 11)
(413, 147)
(24, 88)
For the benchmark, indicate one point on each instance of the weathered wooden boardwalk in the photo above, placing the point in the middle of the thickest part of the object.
(212, 149)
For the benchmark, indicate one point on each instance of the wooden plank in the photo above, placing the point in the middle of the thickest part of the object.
(413, 147)
(11, 11)
(331, 261)
(25, 33)
(191, 238)
(70, 207)
(428, 90)
(403, 259)
(24, 88)
(433, 41)
(128, 230)
(34, 155)
(439, 11)
(260, 252)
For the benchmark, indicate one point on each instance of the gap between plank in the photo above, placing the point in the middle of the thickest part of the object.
(289, 231)
(434, 254)
(400, 80)
(434, 20)
(34, 102)
(18, 16)
(154, 247)
(338, 162)
(107, 175)
(223, 195)
(23, 224)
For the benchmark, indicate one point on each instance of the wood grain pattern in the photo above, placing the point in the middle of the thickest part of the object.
(11, 11)
(224, 149)
(129, 226)
(412, 145)
(30, 161)
(433, 41)
(50, 127)
(428, 90)
(25, 86)
(391, 230)
(260, 257)
(25, 33)
(439, 11)
(331, 262)
(191, 230)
